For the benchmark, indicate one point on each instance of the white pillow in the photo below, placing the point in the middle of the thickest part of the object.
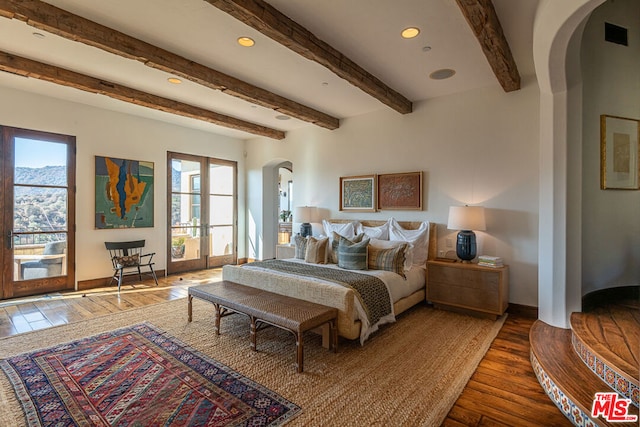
(388, 244)
(380, 232)
(344, 229)
(419, 238)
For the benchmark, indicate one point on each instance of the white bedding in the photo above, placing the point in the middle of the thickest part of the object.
(397, 286)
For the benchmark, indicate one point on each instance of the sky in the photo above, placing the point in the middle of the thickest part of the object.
(35, 154)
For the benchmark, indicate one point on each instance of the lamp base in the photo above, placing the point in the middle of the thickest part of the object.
(466, 245)
(306, 229)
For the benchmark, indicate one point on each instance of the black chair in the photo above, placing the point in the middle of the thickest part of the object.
(127, 256)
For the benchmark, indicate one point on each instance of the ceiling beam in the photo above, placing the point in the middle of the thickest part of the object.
(38, 70)
(484, 22)
(57, 21)
(274, 24)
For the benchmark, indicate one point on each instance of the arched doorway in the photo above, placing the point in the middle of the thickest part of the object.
(557, 39)
(271, 206)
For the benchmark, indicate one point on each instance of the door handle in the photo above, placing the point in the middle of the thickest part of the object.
(10, 240)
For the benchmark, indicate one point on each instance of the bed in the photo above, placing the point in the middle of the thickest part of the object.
(288, 277)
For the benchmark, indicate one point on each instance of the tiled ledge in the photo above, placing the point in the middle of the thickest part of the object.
(625, 386)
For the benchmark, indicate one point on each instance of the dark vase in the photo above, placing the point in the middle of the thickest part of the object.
(466, 245)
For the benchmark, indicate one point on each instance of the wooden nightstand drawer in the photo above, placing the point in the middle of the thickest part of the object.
(473, 298)
(464, 277)
(468, 287)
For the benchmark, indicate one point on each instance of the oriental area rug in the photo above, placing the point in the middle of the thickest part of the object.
(409, 373)
(137, 376)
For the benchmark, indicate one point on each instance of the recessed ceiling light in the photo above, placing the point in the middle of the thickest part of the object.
(38, 35)
(426, 48)
(246, 41)
(282, 117)
(442, 74)
(409, 33)
(174, 80)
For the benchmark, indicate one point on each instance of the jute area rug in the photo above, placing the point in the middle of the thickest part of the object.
(408, 373)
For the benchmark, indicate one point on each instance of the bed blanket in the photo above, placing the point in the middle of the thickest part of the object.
(329, 287)
(371, 291)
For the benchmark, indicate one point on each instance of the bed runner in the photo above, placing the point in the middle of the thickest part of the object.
(371, 291)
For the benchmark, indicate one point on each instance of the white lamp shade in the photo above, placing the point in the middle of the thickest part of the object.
(306, 214)
(466, 218)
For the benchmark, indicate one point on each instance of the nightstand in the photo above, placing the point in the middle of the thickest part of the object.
(468, 287)
(285, 251)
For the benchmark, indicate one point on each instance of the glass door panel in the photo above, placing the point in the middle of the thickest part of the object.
(222, 212)
(38, 209)
(185, 245)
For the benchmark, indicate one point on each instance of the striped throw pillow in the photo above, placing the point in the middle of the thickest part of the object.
(333, 249)
(352, 256)
(389, 259)
(316, 250)
(301, 246)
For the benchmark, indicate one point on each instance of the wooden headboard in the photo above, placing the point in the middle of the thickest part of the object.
(409, 225)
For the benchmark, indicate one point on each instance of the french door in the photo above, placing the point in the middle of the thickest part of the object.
(38, 212)
(202, 212)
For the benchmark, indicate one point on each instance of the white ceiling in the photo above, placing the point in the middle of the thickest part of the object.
(366, 31)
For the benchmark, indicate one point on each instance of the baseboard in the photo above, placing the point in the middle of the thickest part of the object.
(526, 311)
(605, 296)
(102, 282)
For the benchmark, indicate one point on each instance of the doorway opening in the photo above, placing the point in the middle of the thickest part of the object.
(202, 212)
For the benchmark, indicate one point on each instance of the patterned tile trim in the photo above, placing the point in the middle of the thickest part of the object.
(570, 410)
(627, 387)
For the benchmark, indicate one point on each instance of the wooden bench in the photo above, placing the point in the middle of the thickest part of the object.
(291, 314)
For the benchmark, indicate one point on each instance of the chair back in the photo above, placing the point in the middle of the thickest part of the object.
(54, 248)
(118, 250)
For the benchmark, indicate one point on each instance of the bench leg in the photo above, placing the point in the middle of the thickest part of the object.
(190, 308)
(217, 318)
(334, 335)
(299, 352)
(253, 333)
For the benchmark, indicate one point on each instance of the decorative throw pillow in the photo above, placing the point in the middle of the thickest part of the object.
(316, 250)
(352, 256)
(389, 244)
(391, 259)
(333, 248)
(128, 260)
(301, 246)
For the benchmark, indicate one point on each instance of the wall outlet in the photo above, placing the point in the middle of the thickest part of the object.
(449, 242)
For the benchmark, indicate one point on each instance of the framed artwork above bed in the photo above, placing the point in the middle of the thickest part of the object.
(400, 191)
(358, 193)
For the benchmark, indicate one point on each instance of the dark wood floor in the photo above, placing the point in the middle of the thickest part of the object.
(503, 391)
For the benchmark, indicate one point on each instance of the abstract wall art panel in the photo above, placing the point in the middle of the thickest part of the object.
(124, 193)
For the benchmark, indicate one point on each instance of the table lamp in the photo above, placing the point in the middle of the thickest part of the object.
(306, 215)
(466, 219)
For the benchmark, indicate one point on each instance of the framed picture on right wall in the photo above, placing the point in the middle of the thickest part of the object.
(619, 153)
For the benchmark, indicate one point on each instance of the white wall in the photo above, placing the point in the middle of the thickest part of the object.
(479, 147)
(611, 85)
(107, 133)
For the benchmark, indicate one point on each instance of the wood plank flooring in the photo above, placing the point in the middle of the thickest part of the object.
(503, 391)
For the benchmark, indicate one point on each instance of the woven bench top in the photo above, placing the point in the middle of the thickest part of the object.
(288, 312)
